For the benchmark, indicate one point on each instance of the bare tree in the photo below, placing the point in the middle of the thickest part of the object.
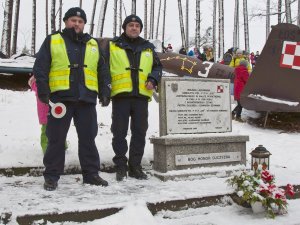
(60, 15)
(246, 26)
(120, 17)
(236, 24)
(221, 28)
(115, 17)
(93, 18)
(53, 27)
(16, 25)
(288, 11)
(46, 18)
(198, 20)
(298, 14)
(187, 23)
(6, 31)
(158, 16)
(151, 19)
(145, 19)
(33, 34)
(164, 22)
(101, 18)
(279, 10)
(214, 27)
(133, 7)
(268, 19)
(181, 25)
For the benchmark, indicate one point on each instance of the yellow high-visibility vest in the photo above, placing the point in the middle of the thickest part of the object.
(59, 76)
(121, 74)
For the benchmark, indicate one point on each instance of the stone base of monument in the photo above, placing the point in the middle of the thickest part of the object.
(198, 156)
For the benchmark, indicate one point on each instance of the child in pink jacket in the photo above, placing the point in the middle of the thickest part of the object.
(42, 110)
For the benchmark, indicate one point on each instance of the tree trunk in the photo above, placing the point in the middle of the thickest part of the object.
(164, 22)
(145, 19)
(298, 14)
(151, 19)
(288, 11)
(33, 34)
(120, 17)
(6, 31)
(268, 19)
(16, 25)
(101, 18)
(181, 25)
(246, 26)
(214, 27)
(133, 7)
(60, 15)
(93, 18)
(236, 24)
(198, 20)
(80, 3)
(221, 28)
(115, 18)
(53, 28)
(158, 16)
(187, 23)
(47, 32)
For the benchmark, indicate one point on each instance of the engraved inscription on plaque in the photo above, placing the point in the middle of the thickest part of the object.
(192, 159)
(197, 106)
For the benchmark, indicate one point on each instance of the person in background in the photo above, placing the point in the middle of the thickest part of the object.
(169, 48)
(70, 68)
(182, 51)
(256, 56)
(252, 59)
(196, 52)
(235, 62)
(240, 80)
(135, 72)
(227, 57)
(191, 53)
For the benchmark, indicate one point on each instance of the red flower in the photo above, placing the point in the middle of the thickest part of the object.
(267, 176)
(289, 190)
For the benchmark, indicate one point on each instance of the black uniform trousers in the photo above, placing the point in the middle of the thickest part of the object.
(85, 121)
(122, 109)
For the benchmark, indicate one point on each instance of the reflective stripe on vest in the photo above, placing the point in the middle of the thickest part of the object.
(121, 78)
(59, 76)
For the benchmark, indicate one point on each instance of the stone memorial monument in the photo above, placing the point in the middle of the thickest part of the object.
(195, 130)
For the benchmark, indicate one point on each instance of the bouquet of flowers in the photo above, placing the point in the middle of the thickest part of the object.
(260, 187)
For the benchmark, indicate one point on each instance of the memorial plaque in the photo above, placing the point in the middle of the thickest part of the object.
(197, 106)
(219, 157)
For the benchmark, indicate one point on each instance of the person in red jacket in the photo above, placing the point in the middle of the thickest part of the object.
(240, 80)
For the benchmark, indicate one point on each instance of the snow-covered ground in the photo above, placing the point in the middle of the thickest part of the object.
(19, 147)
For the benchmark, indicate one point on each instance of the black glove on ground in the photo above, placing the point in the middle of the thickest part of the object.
(104, 101)
(44, 98)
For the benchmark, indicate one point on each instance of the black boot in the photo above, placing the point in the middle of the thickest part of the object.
(121, 174)
(95, 180)
(50, 185)
(137, 173)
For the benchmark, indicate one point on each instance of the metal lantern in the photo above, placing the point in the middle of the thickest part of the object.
(260, 156)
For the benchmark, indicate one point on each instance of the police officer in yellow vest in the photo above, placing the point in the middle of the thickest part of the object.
(70, 68)
(135, 72)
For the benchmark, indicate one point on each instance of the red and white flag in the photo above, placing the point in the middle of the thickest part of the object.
(290, 57)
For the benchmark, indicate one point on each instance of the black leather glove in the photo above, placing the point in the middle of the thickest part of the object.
(104, 101)
(44, 98)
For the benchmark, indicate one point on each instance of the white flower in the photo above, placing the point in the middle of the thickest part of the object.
(246, 183)
(240, 193)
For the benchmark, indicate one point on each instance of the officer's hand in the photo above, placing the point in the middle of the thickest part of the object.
(44, 98)
(104, 101)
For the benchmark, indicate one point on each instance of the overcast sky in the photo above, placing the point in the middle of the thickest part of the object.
(256, 26)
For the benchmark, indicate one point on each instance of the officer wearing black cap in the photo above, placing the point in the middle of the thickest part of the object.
(70, 68)
(135, 72)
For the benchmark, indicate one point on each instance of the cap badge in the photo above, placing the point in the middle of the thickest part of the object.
(78, 13)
